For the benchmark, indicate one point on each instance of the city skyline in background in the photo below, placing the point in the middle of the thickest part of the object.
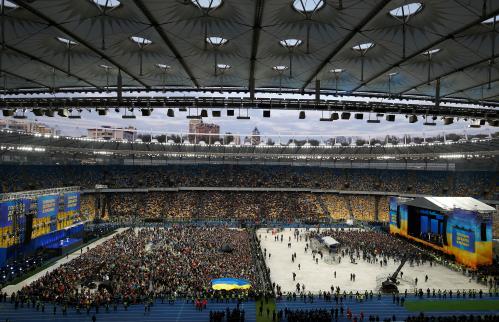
(281, 123)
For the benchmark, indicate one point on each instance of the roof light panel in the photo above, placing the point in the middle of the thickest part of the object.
(66, 41)
(223, 66)
(490, 21)
(216, 41)
(163, 66)
(141, 41)
(431, 51)
(290, 43)
(107, 3)
(407, 10)
(280, 68)
(363, 47)
(207, 4)
(8, 4)
(308, 6)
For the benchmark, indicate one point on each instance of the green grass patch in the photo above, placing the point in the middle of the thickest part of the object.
(452, 305)
(270, 305)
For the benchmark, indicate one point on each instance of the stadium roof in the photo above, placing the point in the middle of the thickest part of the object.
(434, 48)
(450, 203)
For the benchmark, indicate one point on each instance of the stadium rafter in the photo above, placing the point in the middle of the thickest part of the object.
(53, 66)
(456, 70)
(156, 25)
(451, 35)
(379, 7)
(257, 27)
(265, 46)
(66, 31)
(23, 77)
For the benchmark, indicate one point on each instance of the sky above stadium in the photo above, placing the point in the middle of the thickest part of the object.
(281, 122)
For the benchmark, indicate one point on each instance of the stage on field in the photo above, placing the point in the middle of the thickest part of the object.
(458, 226)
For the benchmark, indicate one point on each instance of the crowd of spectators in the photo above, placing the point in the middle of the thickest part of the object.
(378, 248)
(337, 206)
(373, 246)
(315, 315)
(215, 205)
(140, 265)
(363, 207)
(475, 184)
(452, 318)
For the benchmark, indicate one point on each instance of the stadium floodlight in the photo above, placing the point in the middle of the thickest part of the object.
(475, 124)
(146, 111)
(301, 115)
(102, 111)
(494, 123)
(448, 120)
(37, 111)
(170, 112)
(8, 112)
(413, 118)
(20, 116)
(345, 115)
(63, 112)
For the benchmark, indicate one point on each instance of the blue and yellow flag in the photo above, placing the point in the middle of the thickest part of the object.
(228, 284)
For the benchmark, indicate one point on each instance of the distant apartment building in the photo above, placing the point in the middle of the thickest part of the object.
(232, 138)
(27, 126)
(200, 131)
(255, 136)
(113, 133)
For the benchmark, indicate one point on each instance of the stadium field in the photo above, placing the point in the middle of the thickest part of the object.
(452, 305)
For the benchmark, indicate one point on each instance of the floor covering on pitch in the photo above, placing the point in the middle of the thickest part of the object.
(182, 311)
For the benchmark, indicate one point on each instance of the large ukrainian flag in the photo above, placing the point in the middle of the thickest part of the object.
(228, 284)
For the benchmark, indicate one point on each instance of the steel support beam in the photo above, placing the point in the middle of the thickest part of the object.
(41, 61)
(257, 27)
(377, 9)
(155, 24)
(77, 38)
(24, 78)
(428, 47)
(471, 87)
(457, 70)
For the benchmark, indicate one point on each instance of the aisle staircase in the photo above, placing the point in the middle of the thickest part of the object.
(349, 205)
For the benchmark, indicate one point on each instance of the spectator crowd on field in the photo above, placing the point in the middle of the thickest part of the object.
(139, 265)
